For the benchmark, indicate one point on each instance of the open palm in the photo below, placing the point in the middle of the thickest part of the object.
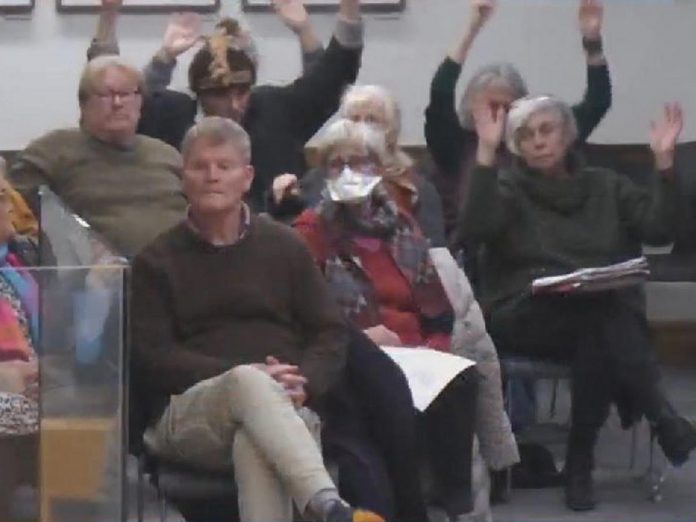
(664, 133)
(590, 15)
(292, 12)
(182, 33)
(490, 125)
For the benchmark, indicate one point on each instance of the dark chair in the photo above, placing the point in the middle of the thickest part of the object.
(535, 370)
(200, 496)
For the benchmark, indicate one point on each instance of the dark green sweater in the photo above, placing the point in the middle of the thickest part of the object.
(453, 147)
(532, 226)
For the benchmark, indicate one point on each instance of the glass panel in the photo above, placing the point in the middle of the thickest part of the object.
(80, 344)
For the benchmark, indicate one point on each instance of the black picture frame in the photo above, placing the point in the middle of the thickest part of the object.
(16, 6)
(374, 6)
(163, 6)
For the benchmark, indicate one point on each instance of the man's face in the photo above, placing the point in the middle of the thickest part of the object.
(216, 178)
(231, 102)
(541, 140)
(112, 110)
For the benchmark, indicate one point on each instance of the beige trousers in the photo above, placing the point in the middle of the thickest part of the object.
(245, 419)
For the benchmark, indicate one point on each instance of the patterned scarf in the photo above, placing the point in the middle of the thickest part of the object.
(19, 305)
(349, 283)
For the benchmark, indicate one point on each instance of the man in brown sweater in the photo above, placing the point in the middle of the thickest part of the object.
(232, 327)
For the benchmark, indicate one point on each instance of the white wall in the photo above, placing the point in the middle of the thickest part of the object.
(650, 45)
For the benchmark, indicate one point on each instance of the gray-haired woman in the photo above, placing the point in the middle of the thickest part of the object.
(547, 214)
(450, 134)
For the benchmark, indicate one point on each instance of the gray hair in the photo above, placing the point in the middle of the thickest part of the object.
(345, 132)
(357, 95)
(94, 69)
(482, 79)
(526, 107)
(215, 130)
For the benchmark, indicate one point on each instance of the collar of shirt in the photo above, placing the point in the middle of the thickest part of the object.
(244, 223)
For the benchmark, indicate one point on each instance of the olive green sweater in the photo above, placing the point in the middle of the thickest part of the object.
(130, 196)
(532, 226)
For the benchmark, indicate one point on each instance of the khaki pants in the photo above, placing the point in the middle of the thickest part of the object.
(244, 418)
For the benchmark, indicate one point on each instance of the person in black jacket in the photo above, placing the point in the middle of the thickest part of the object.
(279, 119)
(450, 134)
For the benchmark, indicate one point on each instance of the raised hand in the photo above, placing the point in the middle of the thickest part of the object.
(590, 16)
(481, 12)
(111, 5)
(664, 135)
(490, 127)
(293, 14)
(283, 185)
(182, 33)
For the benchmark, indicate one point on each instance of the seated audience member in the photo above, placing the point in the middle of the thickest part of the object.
(125, 185)
(450, 134)
(378, 266)
(232, 327)
(167, 114)
(279, 119)
(375, 105)
(19, 372)
(547, 214)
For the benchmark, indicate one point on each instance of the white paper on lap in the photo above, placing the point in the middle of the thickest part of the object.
(427, 371)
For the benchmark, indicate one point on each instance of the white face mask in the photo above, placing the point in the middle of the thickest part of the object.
(351, 186)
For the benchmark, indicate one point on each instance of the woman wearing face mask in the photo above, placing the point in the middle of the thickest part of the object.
(399, 291)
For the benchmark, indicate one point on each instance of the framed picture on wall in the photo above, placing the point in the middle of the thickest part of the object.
(16, 6)
(141, 5)
(328, 5)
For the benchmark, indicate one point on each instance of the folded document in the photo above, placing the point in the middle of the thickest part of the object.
(628, 273)
(427, 371)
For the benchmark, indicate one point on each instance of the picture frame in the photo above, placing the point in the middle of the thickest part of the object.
(329, 5)
(16, 6)
(145, 6)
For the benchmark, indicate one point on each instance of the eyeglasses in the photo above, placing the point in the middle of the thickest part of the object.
(364, 164)
(124, 96)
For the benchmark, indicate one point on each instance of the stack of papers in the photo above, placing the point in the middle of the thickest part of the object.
(427, 371)
(632, 272)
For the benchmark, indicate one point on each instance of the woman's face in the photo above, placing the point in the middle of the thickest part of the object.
(542, 141)
(354, 156)
(373, 113)
(7, 230)
(495, 95)
(353, 174)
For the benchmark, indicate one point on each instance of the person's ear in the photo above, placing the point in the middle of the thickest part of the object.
(248, 177)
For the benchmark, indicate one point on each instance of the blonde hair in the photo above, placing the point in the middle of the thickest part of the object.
(96, 67)
(344, 132)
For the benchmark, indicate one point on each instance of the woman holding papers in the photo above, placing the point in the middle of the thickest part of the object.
(550, 214)
(401, 293)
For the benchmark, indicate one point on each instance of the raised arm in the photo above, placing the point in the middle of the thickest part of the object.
(182, 33)
(597, 100)
(443, 131)
(105, 40)
(294, 15)
(484, 213)
(650, 212)
(316, 95)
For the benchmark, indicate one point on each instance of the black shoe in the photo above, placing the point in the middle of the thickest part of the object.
(677, 438)
(579, 489)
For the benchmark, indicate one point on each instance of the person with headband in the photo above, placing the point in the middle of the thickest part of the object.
(548, 213)
(279, 119)
(450, 133)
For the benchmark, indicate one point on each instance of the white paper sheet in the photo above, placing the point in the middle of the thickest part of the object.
(427, 371)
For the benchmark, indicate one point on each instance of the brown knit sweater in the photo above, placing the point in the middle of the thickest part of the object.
(198, 310)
